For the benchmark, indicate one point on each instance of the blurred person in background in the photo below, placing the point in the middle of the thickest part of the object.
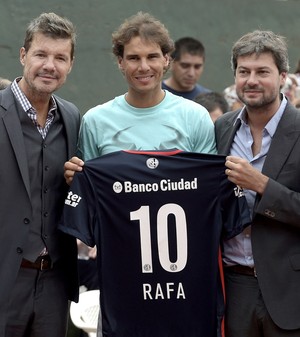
(4, 83)
(297, 72)
(187, 66)
(291, 90)
(232, 99)
(214, 102)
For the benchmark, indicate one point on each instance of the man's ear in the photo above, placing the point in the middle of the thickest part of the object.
(22, 55)
(71, 66)
(283, 78)
(120, 64)
(167, 60)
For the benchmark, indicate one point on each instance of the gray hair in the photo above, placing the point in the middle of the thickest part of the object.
(258, 42)
(52, 25)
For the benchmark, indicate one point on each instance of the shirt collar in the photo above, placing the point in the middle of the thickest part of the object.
(273, 122)
(23, 100)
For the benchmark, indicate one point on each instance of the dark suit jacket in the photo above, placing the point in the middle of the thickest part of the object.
(276, 217)
(15, 202)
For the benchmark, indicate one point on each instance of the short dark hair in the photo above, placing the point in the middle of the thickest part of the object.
(53, 25)
(212, 100)
(188, 45)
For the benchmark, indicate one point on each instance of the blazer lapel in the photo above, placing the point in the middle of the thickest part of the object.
(282, 144)
(227, 133)
(15, 134)
(71, 123)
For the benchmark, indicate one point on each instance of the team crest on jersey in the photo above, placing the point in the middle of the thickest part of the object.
(117, 187)
(152, 163)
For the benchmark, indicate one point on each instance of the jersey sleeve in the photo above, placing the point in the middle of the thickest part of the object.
(79, 214)
(235, 211)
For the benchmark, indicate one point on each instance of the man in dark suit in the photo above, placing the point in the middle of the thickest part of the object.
(38, 133)
(262, 264)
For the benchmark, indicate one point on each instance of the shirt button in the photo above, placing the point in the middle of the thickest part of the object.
(269, 213)
(19, 250)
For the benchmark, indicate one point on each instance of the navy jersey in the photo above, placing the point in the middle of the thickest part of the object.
(157, 219)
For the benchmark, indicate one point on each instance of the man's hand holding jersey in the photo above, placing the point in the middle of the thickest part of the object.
(75, 164)
(243, 174)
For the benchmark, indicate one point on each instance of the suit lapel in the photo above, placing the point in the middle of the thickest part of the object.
(227, 133)
(15, 134)
(71, 124)
(283, 141)
(231, 131)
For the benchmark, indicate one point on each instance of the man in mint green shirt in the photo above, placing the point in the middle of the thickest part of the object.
(146, 117)
(172, 123)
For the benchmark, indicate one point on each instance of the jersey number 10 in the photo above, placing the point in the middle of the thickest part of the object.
(143, 216)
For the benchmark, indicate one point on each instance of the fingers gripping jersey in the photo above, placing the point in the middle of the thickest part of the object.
(157, 219)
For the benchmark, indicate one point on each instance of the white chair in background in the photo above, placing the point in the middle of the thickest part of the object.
(86, 313)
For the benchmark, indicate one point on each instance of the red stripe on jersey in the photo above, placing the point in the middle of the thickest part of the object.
(223, 286)
(159, 152)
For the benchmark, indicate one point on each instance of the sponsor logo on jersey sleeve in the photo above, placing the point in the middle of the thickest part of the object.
(72, 199)
(238, 191)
